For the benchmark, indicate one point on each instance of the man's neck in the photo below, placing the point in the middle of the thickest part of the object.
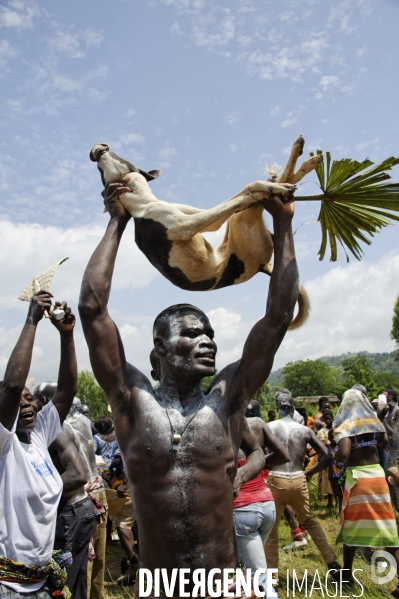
(178, 392)
(24, 436)
(286, 416)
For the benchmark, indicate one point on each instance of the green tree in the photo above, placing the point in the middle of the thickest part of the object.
(206, 381)
(359, 369)
(395, 326)
(387, 380)
(90, 393)
(310, 377)
(261, 395)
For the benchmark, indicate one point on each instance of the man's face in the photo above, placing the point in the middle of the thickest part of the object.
(391, 402)
(328, 421)
(190, 346)
(85, 410)
(326, 406)
(28, 409)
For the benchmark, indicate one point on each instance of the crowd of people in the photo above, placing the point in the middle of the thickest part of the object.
(56, 515)
(192, 477)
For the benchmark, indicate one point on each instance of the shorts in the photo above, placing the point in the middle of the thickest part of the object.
(125, 518)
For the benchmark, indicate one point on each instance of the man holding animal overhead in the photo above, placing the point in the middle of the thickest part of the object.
(179, 443)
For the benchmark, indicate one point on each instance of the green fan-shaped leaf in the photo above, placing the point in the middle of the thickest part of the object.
(355, 202)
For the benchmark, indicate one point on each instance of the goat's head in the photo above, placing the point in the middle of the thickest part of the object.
(113, 168)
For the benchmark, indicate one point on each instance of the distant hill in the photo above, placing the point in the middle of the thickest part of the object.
(383, 362)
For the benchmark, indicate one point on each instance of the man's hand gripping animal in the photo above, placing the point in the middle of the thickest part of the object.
(170, 235)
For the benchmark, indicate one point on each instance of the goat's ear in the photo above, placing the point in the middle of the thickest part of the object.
(155, 173)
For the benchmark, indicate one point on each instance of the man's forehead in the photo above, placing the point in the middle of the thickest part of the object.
(190, 321)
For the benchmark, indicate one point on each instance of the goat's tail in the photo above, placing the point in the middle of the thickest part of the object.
(303, 309)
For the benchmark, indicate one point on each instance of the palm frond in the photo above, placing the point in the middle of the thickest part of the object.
(354, 204)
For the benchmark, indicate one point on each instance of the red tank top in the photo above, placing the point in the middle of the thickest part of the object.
(254, 490)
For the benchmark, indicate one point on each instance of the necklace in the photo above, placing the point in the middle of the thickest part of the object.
(176, 435)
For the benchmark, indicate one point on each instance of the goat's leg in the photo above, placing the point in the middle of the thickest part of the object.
(307, 167)
(188, 225)
(191, 210)
(287, 176)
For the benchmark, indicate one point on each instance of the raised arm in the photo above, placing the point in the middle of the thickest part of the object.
(107, 355)
(20, 360)
(266, 336)
(67, 384)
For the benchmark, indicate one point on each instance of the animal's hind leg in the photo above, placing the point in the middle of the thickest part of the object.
(185, 226)
(307, 167)
(287, 176)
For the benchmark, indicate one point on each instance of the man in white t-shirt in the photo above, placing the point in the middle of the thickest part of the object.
(30, 486)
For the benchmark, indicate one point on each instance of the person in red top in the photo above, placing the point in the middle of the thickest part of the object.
(254, 509)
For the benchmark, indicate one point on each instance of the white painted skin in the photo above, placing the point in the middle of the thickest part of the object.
(294, 437)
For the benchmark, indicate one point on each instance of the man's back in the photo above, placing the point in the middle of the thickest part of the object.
(294, 437)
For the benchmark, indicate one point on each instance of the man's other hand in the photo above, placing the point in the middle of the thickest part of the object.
(67, 324)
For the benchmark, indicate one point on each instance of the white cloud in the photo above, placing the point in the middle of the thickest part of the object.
(68, 41)
(133, 138)
(19, 14)
(352, 309)
(366, 144)
(167, 153)
(6, 53)
(220, 317)
(34, 247)
(329, 81)
(92, 37)
(275, 110)
(232, 117)
(361, 52)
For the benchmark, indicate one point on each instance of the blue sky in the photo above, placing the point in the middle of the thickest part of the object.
(208, 92)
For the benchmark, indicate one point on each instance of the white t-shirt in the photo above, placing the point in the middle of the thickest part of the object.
(30, 490)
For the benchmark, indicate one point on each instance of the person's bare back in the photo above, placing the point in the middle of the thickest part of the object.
(180, 444)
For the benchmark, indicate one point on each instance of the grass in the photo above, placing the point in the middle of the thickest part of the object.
(300, 560)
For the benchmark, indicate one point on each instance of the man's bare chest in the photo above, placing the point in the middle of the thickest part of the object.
(163, 438)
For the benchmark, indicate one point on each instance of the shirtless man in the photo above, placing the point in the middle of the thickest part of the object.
(95, 489)
(288, 482)
(75, 517)
(178, 443)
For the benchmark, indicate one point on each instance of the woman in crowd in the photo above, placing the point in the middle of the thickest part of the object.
(30, 486)
(322, 435)
(324, 406)
(367, 518)
(254, 508)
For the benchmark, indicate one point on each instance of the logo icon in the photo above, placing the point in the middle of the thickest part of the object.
(383, 567)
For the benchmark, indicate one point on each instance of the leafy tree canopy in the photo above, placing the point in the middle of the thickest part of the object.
(310, 377)
(360, 370)
(395, 325)
(262, 395)
(90, 393)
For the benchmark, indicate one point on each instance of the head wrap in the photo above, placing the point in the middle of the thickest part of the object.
(355, 416)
